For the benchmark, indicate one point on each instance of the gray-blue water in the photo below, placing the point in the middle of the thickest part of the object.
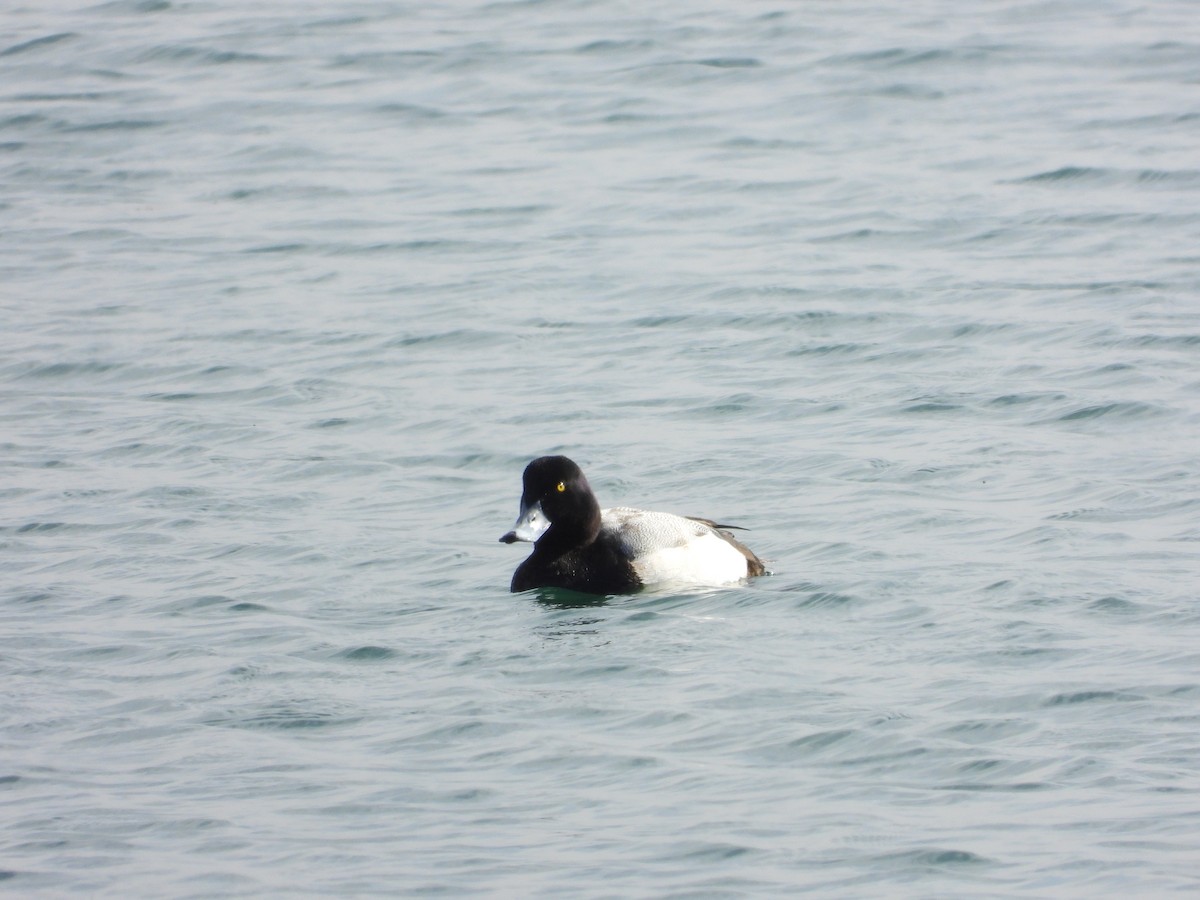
(291, 292)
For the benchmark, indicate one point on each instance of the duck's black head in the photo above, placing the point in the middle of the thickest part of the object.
(557, 505)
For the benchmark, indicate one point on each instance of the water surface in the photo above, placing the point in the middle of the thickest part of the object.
(292, 293)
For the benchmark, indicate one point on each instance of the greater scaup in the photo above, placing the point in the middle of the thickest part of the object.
(579, 546)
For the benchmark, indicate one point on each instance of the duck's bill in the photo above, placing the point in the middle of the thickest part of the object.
(530, 525)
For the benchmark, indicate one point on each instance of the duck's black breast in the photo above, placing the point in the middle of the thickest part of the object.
(600, 567)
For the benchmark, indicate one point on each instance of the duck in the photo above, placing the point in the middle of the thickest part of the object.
(581, 547)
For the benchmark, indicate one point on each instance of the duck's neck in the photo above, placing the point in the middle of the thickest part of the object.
(571, 532)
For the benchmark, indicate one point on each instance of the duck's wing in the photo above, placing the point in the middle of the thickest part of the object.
(711, 524)
(666, 547)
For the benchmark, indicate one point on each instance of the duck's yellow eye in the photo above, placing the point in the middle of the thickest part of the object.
(560, 487)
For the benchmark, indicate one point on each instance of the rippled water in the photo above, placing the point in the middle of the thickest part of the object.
(293, 291)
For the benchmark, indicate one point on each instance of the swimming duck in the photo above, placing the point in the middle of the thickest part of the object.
(578, 545)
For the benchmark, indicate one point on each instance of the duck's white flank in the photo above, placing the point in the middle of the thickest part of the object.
(667, 547)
